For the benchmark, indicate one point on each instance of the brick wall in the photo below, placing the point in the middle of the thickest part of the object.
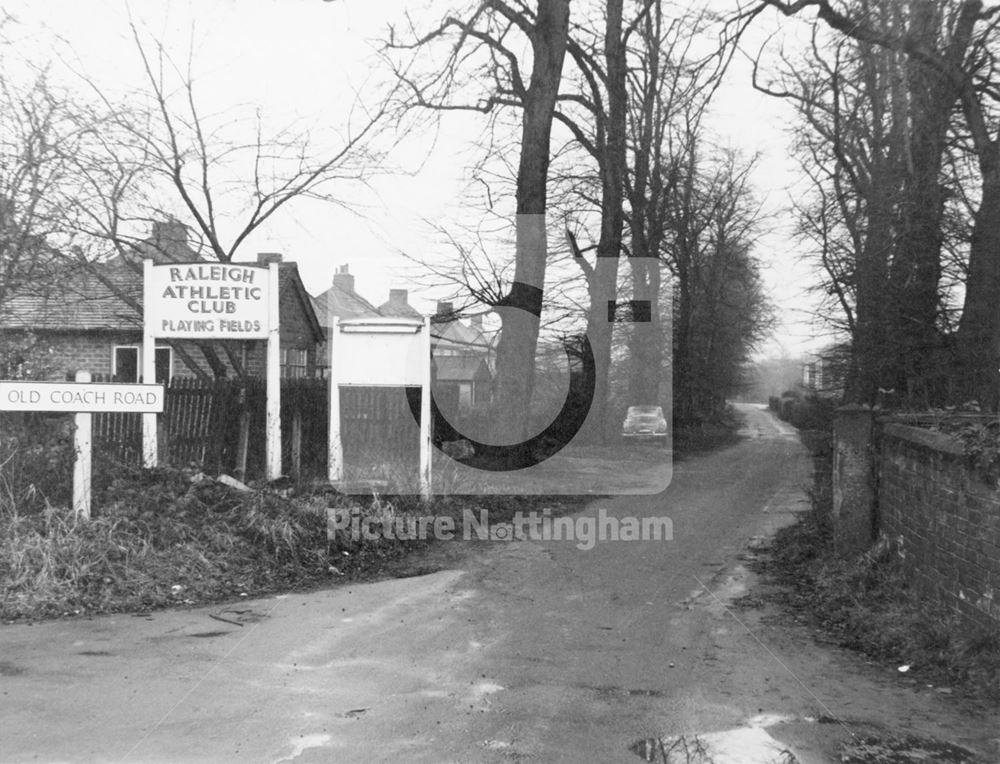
(946, 517)
(92, 351)
(86, 351)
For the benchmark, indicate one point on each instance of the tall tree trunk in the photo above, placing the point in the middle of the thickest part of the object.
(979, 328)
(916, 269)
(604, 280)
(522, 306)
(645, 339)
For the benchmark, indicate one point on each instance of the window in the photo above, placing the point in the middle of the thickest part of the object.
(293, 362)
(126, 363)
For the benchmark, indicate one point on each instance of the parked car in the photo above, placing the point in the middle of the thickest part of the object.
(644, 422)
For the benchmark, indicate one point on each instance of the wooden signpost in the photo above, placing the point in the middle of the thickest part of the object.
(83, 398)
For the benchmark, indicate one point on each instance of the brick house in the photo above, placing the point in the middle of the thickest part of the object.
(463, 358)
(89, 318)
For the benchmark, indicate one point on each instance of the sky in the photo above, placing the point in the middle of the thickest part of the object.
(307, 61)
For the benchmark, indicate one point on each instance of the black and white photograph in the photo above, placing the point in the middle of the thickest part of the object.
(491, 381)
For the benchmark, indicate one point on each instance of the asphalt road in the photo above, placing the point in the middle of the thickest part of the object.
(520, 651)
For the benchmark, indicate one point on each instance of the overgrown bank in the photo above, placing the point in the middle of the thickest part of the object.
(170, 537)
(866, 603)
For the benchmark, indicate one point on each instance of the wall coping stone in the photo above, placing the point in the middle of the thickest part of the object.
(928, 439)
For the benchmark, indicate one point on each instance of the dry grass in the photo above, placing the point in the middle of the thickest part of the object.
(160, 539)
(160, 543)
(867, 604)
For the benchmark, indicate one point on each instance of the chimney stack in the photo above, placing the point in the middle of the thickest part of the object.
(266, 258)
(445, 308)
(169, 242)
(477, 322)
(343, 279)
(169, 232)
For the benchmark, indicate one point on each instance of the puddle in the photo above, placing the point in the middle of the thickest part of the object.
(9, 669)
(303, 743)
(483, 689)
(206, 634)
(905, 750)
(96, 653)
(747, 745)
(753, 744)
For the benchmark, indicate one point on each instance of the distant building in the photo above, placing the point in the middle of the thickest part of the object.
(824, 371)
(463, 361)
(342, 301)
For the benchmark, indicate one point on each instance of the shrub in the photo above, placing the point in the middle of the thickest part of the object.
(36, 461)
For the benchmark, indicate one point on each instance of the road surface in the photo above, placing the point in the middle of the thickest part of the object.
(520, 651)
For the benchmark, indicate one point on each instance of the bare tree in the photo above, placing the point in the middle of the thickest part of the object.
(481, 43)
(948, 50)
(720, 309)
(96, 173)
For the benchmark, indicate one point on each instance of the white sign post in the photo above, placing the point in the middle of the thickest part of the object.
(211, 301)
(82, 452)
(381, 352)
(84, 399)
(273, 379)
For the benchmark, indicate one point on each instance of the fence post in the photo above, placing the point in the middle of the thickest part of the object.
(82, 447)
(243, 445)
(853, 514)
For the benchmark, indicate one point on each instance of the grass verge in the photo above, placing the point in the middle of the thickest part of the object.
(866, 603)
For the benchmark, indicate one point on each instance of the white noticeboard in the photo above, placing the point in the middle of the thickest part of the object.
(387, 351)
(208, 300)
(381, 351)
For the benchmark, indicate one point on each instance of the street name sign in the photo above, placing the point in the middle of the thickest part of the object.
(80, 397)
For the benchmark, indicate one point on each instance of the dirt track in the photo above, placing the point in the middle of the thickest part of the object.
(519, 651)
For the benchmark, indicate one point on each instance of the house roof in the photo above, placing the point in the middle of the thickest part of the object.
(461, 369)
(397, 309)
(98, 297)
(289, 283)
(342, 303)
(456, 334)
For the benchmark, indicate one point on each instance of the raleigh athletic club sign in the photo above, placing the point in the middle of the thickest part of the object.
(214, 301)
(208, 300)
